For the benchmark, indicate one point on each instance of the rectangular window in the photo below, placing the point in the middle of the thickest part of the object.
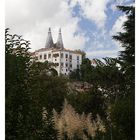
(45, 56)
(49, 56)
(36, 58)
(77, 57)
(56, 64)
(40, 56)
(61, 55)
(70, 56)
(70, 65)
(78, 66)
(66, 64)
(61, 64)
(66, 55)
(56, 55)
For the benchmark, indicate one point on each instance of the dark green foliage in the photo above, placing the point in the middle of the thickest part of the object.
(84, 73)
(49, 91)
(17, 98)
(53, 72)
(29, 87)
(92, 102)
(108, 77)
(123, 117)
(46, 90)
(86, 70)
(75, 75)
(127, 38)
(123, 111)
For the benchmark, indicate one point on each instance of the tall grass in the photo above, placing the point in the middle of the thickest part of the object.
(70, 124)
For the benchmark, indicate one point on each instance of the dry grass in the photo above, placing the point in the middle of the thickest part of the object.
(72, 124)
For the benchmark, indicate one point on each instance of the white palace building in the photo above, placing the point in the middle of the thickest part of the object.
(65, 60)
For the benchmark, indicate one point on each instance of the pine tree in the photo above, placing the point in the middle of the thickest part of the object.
(123, 111)
(127, 40)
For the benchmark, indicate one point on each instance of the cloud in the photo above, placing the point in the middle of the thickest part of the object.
(102, 54)
(113, 6)
(102, 45)
(118, 27)
(94, 10)
(33, 18)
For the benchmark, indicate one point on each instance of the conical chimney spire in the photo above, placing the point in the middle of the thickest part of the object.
(59, 43)
(49, 41)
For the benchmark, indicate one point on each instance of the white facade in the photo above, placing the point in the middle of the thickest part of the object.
(65, 60)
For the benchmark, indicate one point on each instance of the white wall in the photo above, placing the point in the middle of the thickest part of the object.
(61, 69)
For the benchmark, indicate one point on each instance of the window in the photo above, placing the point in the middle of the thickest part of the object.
(66, 55)
(61, 64)
(49, 56)
(61, 55)
(40, 56)
(66, 70)
(66, 64)
(36, 58)
(56, 64)
(55, 59)
(78, 67)
(45, 56)
(77, 57)
(70, 56)
(70, 65)
(56, 55)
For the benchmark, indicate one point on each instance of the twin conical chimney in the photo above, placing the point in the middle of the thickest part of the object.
(49, 42)
(59, 43)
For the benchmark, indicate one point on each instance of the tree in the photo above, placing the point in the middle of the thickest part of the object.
(75, 74)
(123, 110)
(82, 52)
(122, 116)
(86, 70)
(48, 90)
(109, 79)
(91, 101)
(105, 76)
(17, 97)
(127, 40)
(29, 89)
